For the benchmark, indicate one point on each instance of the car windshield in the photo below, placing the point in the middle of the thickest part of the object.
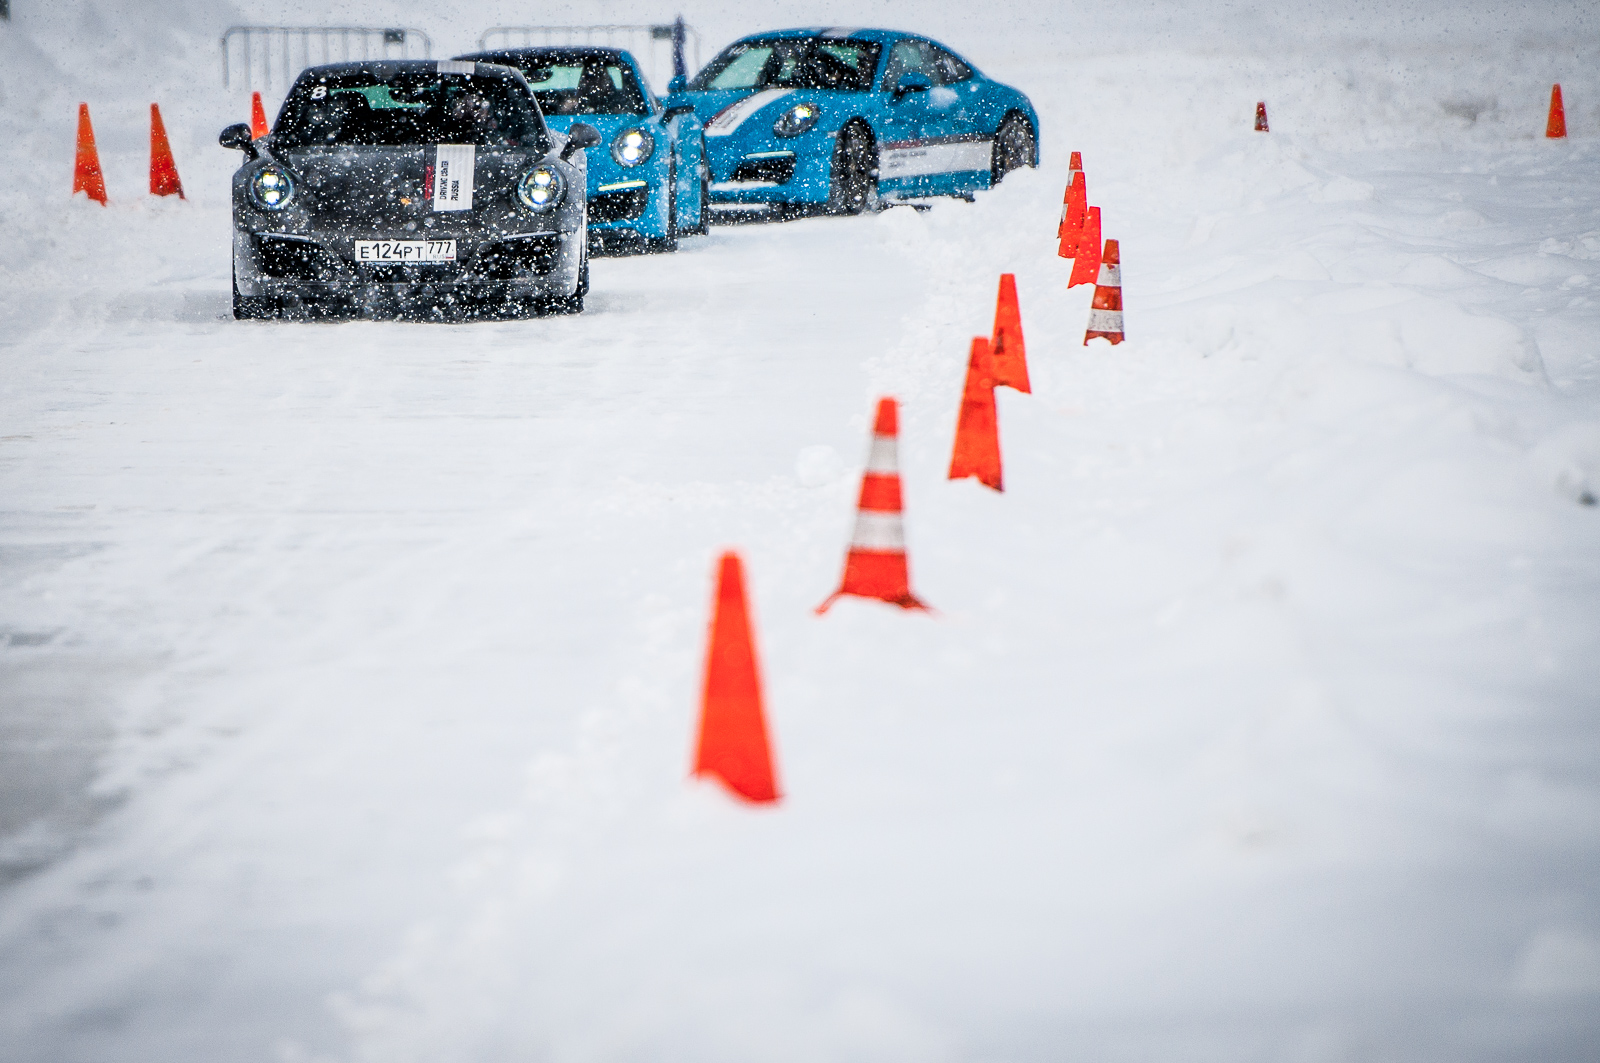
(408, 107)
(579, 83)
(793, 63)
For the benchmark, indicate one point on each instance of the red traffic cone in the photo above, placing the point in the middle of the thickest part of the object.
(163, 171)
(1261, 117)
(977, 447)
(1086, 267)
(1074, 168)
(732, 744)
(1556, 126)
(1073, 216)
(258, 118)
(1008, 353)
(86, 175)
(1105, 313)
(876, 566)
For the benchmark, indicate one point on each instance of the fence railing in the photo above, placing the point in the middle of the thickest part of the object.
(652, 46)
(268, 57)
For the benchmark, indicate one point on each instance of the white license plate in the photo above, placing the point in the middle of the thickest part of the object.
(405, 250)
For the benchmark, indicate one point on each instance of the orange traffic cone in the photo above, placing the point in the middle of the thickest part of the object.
(1261, 117)
(1086, 267)
(86, 175)
(1105, 313)
(163, 171)
(1008, 353)
(1556, 126)
(258, 118)
(977, 449)
(876, 566)
(1073, 213)
(733, 744)
(1074, 168)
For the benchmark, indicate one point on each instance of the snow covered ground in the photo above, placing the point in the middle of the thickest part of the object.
(348, 671)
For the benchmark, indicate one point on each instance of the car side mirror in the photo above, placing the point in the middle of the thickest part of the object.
(912, 82)
(674, 110)
(678, 83)
(237, 136)
(581, 135)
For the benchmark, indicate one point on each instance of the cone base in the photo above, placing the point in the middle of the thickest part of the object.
(993, 483)
(1113, 337)
(760, 797)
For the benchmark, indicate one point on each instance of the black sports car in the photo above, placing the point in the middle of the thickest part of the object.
(410, 187)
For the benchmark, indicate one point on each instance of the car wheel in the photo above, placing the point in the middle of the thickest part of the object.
(854, 185)
(668, 243)
(1014, 147)
(567, 304)
(705, 200)
(251, 308)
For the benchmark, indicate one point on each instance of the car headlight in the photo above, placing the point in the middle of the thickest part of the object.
(632, 146)
(796, 120)
(541, 189)
(271, 188)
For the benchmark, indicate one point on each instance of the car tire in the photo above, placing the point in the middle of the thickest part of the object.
(705, 198)
(567, 304)
(252, 308)
(1014, 147)
(667, 244)
(853, 187)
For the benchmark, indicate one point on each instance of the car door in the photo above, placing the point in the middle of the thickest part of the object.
(958, 100)
(907, 161)
(931, 150)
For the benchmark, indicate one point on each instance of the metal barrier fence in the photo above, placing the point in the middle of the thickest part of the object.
(273, 56)
(650, 45)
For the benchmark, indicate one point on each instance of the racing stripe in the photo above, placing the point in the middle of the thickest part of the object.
(732, 117)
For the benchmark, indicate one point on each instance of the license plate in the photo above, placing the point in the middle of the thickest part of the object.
(405, 250)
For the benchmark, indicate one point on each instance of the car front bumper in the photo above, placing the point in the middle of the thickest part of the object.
(312, 265)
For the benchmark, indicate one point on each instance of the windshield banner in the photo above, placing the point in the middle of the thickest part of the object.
(452, 176)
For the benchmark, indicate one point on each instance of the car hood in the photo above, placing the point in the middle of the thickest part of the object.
(381, 186)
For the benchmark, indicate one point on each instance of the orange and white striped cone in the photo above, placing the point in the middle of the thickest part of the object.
(1074, 168)
(875, 566)
(1105, 313)
(1261, 117)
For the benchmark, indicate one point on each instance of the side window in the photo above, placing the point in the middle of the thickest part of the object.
(907, 57)
(947, 69)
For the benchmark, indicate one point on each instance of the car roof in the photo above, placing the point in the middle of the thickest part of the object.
(855, 33)
(386, 67)
(598, 51)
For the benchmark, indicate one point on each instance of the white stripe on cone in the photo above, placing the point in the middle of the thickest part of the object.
(1110, 276)
(883, 456)
(1105, 321)
(881, 532)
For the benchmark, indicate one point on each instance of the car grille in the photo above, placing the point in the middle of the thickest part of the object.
(625, 205)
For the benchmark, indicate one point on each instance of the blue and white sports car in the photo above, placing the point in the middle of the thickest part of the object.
(837, 119)
(649, 185)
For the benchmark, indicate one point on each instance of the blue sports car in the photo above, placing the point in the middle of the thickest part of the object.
(649, 184)
(840, 119)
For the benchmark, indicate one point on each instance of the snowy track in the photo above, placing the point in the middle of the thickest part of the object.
(1257, 722)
